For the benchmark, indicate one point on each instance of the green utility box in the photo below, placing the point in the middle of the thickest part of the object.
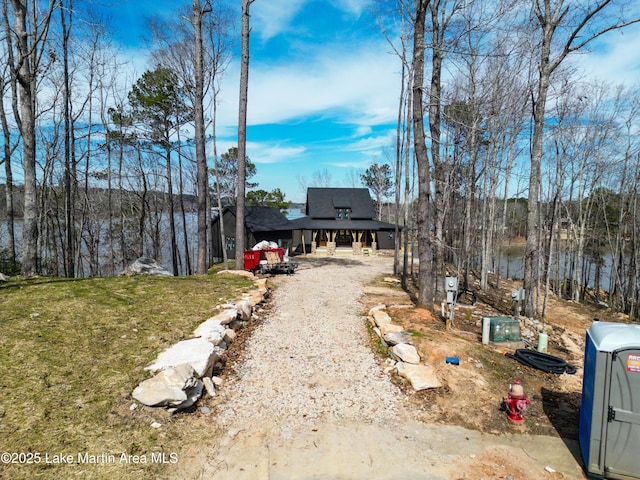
(503, 329)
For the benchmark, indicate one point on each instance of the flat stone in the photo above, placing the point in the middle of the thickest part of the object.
(217, 381)
(390, 327)
(168, 388)
(380, 306)
(229, 336)
(209, 386)
(394, 338)
(146, 266)
(407, 353)
(239, 273)
(226, 316)
(197, 352)
(421, 377)
(211, 330)
(193, 395)
(254, 297)
(381, 317)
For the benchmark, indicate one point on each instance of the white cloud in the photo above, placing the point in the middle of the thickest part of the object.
(272, 17)
(359, 86)
(355, 7)
(363, 130)
(262, 153)
(372, 145)
(615, 57)
(362, 164)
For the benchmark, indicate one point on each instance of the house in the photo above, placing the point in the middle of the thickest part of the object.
(341, 218)
(261, 223)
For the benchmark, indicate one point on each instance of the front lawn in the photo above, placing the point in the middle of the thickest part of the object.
(72, 351)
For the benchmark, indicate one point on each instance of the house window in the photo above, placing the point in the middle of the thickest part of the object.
(343, 213)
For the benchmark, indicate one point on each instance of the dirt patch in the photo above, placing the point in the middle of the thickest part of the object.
(473, 391)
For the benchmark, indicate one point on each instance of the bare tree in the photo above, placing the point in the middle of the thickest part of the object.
(201, 155)
(242, 135)
(9, 146)
(426, 275)
(30, 36)
(564, 28)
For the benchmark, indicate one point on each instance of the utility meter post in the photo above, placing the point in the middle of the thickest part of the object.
(451, 287)
(517, 296)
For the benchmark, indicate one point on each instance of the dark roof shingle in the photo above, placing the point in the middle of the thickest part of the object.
(263, 219)
(322, 203)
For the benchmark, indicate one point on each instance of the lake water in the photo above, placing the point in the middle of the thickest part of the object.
(512, 263)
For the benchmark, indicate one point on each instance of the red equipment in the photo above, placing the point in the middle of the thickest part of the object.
(252, 257)
(271, 260)
(516, 403)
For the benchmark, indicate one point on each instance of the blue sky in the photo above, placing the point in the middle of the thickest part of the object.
(323, 93)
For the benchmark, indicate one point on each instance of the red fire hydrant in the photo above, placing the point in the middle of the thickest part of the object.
(516, 403)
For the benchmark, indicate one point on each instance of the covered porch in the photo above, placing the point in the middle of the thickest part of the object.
(336, 241)
(343, 239)
(356, 237)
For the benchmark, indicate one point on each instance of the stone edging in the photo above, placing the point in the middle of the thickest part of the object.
(400, 348)
(184, 371)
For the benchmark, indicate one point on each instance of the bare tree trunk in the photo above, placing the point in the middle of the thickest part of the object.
(407, 185)
(242, 136)
(121, 237)
(398, 171)
(439, 167)
(201, 157)
(172, 220)
(26, 123)
(69, 198)
(185, 233)
(8, 149)
(142, 219)
(426, 275)
(216, 168)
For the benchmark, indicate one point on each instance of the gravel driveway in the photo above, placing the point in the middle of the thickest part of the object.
(309, 400)
(310, 360)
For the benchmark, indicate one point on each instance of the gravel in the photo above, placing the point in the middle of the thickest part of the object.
(310, 359)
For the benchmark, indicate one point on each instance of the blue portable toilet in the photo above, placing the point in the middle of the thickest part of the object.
(610, 407)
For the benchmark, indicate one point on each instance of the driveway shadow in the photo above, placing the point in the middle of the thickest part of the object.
(563, 411)
(315, 262)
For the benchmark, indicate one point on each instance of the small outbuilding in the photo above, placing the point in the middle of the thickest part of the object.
(341, 218)
(261, 223)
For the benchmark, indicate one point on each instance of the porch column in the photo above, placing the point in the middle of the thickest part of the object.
(356, 244)
(331, 243)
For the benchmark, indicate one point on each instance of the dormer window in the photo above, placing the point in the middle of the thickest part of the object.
(343, 213)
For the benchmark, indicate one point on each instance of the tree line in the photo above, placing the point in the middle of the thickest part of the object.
(498, 134)
(493, 106)
(96, 148)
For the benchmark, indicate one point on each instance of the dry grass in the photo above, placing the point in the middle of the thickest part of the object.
(72, 351)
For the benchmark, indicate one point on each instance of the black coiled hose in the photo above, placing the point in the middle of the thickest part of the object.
(542, 361)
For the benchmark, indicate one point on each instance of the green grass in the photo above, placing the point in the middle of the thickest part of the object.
(71, 353)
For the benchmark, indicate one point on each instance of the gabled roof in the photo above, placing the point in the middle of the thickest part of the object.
(263, 219)
(322, 203)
